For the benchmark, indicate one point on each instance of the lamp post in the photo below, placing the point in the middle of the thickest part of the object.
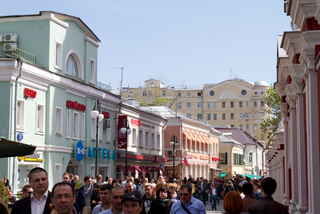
(126, 130)
(95, 114)
(174, 143)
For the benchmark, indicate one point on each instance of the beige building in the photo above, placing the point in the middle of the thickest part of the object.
(234, 103)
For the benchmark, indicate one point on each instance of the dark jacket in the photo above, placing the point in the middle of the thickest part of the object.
(94, 197)
(267, 205)
(205, 186)
(23, 206)
(80, 198)
(158, 208)
(228, 189)
(143, 204)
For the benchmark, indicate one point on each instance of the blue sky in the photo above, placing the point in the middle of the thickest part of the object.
(182, 42)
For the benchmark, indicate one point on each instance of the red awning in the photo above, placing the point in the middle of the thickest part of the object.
(137, 168)
(150, 168)
(122, 168)
(162, 170)
(131, 170)
(155, 168)
(145, 170)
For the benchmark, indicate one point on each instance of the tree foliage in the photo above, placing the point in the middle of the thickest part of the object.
(270, 125)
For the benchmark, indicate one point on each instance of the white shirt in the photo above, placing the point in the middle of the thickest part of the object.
(109, 211)
(37, 206)
(214, 191)
(97, 209)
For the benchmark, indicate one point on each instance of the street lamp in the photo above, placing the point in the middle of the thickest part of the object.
(126, 130)
(95, 113)
(174, 143)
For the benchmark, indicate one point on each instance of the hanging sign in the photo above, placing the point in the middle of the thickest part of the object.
(79, 151)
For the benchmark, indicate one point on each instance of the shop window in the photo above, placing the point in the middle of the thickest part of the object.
(140, 138)
(20, 114)
(92, 71)
(40, 118)
(58, 64)
(68, 124)
(59, 121)
(75, 125)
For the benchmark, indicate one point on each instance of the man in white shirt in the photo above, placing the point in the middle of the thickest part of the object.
(38, 202)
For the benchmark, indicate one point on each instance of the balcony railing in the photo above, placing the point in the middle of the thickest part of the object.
(24, 55)
(103, 87)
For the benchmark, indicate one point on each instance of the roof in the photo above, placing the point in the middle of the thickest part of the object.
(225, 139)
(238, 135)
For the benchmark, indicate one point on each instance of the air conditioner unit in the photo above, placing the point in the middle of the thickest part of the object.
(11, 37)
(170, 153)
(9, 46)
(1, 38)
(106, 124)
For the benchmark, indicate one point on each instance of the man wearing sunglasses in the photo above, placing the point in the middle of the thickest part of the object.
(187, 204)
(26, 191)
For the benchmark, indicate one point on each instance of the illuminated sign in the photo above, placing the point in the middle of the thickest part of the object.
(102, 153)
(78, 151)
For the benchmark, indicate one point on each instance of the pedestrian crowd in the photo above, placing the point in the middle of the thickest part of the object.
(141, 196)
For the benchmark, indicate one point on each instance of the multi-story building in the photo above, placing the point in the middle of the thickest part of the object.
(294, 156)
(48, 81)
(235, 103)
(196, 141)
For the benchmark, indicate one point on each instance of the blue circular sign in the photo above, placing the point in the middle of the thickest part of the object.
(79, 151)
(19, 136)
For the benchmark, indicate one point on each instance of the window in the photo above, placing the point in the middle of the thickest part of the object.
(261, 92)
(247, 116)
(250, 157)
(240, 126)
(262, 103)
(144, 93)
(215, 116)
(247, 127)
(75, 125)
(20, 114)
(130, 93)
(211, 93)
(158, 141)
(40, 118)
(58, 126)
(93, 128)
(179, 105)
(68, 124)
(224, 158)
(240, 116)
(58, 64)
(243, 92)
(247, 103)
(240, 104)
(199, 94)
(231, 104)
(223, 116)
(149, 93)
(189, 116)
(141, 138)
(255, 93)
(83, 126)
(199, 116)
(179, 94)
(199, 105)
(208, 116)
(255, 104)
(147, 140)
(188, 94)
(72, 67)
(214, 104)
(255, 127)
(188, 104)
(255, 115)
(134, 137)
(209, 105)
(92, 71)
(237, 159)
(232, 116)
(223, 104)
(153, 141)
(163, 93)
(262, 115)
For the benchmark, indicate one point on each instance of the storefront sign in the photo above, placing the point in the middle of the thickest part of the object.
(30, 93)
(79, 151)
(190, 156)
(102, 153)
(203, 157)
(35, 157)
(139, 123)
(106, 114)
(75, 105)
(156, 158)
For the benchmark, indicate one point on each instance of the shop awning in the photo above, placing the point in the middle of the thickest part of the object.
(10, 148)
(215, 168)
(131, 170)
(253, 176)
(150, 168)
(123, 169)
(222, 175)
(162, 170)
(170, 163)
(145, 170)
(137, 168)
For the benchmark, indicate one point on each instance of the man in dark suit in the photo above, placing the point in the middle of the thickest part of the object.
(266, 204)
(39, 200)
(204, 187)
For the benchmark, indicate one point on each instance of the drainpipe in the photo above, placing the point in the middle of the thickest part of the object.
(15, 121)
(256, 156)
(116, 139)
(163, 138)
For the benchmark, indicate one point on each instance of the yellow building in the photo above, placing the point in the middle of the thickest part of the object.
(233, 103)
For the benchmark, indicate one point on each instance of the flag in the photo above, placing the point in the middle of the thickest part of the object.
(186, 162)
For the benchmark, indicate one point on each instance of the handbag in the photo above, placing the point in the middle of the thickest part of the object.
(86, 209)
(185, 209)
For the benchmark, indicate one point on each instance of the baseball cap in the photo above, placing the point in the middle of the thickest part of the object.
(131, 196)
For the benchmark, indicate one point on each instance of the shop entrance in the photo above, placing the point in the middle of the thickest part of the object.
(23, 173)
(74, 167)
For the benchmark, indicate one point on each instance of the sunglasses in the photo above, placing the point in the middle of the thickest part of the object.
(29, 193)
(184, 194)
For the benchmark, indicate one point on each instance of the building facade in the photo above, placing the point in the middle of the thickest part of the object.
(49, 86)
(293, 158)
(235, 102)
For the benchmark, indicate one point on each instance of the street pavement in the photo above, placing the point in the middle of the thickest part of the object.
(219, 208)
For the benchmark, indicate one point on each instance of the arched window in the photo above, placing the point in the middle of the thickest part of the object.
(74, 65)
